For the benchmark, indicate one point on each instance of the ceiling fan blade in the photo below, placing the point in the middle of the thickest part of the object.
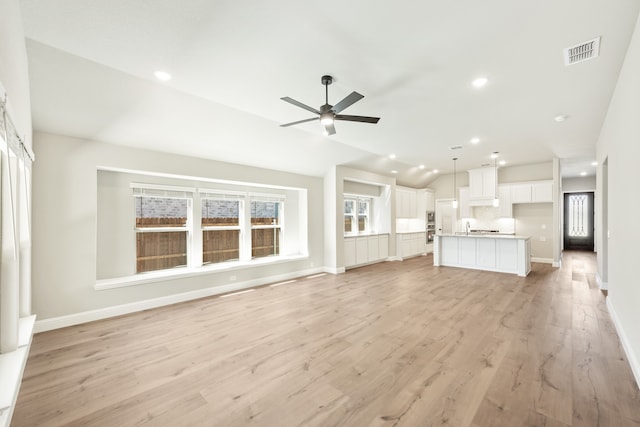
(299, 104)
(330, 129)
(350, 99)
(363, 119)
(299, 121)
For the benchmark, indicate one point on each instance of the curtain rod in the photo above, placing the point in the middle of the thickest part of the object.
(6, 119)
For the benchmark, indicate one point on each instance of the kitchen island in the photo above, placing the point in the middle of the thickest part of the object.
(490, 252)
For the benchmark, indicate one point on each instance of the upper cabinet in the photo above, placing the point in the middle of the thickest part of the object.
(482, 184)
(542, 191)
(532, 192)
(406, 202)
(430, 200)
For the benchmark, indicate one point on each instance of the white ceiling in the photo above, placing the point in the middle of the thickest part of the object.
(92, 64)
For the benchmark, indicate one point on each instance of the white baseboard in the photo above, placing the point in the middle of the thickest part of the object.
(557, 264)
(334, 270)
(118, 310)
(542, 260)
(602, 285)
(631, 356)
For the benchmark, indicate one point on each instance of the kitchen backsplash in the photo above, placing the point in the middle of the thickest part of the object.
(486, 218)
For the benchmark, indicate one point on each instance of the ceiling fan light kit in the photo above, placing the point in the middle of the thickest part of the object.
(328, 113)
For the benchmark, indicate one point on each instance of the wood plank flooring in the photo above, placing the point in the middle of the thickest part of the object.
(393, 344)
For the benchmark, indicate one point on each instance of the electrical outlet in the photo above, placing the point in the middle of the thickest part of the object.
(232, 278)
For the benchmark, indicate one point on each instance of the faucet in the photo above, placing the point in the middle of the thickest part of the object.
(467, 227)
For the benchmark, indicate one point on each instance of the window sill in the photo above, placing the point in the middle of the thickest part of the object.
(180, 273)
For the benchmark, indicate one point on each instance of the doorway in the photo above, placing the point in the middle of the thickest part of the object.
(578, 221)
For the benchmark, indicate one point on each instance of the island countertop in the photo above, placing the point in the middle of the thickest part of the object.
(488, 235)
(491, 252)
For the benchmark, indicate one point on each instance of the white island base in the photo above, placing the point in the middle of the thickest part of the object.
(504, 254)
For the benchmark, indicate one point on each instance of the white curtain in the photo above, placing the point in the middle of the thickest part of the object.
(15, 232)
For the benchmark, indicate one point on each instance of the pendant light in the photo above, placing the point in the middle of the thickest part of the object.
(454, 204)
(496, 201)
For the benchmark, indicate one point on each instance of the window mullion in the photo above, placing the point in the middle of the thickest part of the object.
(245, 230)
(194, 224)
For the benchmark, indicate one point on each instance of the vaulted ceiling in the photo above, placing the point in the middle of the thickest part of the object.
(92, 70)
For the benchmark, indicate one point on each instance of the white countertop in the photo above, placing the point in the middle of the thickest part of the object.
(487, 236)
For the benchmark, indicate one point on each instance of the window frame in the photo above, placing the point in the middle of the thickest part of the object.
(355, 215)
(195, 197)
(219, 195)
(166, 192)
(259, 197)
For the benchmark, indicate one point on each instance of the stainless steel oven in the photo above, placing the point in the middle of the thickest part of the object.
(431, 226)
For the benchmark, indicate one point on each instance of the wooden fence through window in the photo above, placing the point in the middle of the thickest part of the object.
(163, 250)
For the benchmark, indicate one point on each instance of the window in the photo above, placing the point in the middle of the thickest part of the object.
(356, 214)
(177, 227)
(363, 215)
(221, 230)
(162, 232)
(578, 215)
(349, 215)
(266, 226)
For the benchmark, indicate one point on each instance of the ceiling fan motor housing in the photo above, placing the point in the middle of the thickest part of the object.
(327, 80)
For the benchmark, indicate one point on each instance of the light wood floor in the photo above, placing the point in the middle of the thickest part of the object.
(394, 344)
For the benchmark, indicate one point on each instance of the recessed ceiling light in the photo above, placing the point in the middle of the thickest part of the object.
(502, 162)
(480, 82)
(583, 174)
(394, 171)
(594, 163)
(475, 140)
(436, 171)
(162, 75)
(392, 156)
(561, 118)
(421, 167)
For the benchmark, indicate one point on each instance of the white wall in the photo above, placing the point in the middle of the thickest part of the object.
(586, 183)
(523, 173)
(619, 143)
(14, 72)
(65, 223)
(536, 220)
(334, 188)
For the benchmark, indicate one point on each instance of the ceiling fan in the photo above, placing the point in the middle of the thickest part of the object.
(327, 113)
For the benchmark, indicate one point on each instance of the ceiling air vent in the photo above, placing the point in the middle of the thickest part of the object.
(456, 147)
(582, 51)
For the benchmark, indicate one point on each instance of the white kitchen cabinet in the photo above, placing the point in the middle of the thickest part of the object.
(372, 248)
(482, 184)
(430, 199)
(361, 250)
(532, 192)
(406, 202)
(505, 209)
(521, 193)
(383, 246)
(464, 208)
(411, 244)
(349, 252)
(542, 192)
